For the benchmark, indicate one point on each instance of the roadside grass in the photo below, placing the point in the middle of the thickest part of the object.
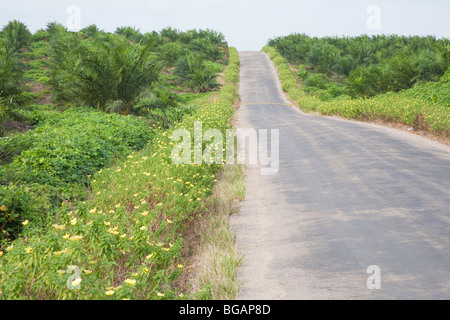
(420, 114)
(215, 259)
(215, 262)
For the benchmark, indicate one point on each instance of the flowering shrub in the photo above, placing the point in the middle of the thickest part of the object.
(58, 156)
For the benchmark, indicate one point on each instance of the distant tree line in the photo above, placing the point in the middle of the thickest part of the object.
(370, 65)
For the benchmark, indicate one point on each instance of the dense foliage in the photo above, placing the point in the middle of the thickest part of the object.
(368, 65)
(14, 39)
(52, 70)
(127, 72)
(126, 242)
(58, 157)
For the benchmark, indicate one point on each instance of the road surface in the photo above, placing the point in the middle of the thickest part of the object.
(347, 196)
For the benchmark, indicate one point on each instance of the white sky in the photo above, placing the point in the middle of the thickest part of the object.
(246, 24)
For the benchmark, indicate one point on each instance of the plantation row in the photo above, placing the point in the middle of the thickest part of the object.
(365, 66)
(125, 72)
(425, 106)
(126, 240)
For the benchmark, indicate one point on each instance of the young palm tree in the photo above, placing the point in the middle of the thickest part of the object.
(91, 31)
(197, 73)
(113, 76)
(132, 34)
(10, 75)
(17, 36)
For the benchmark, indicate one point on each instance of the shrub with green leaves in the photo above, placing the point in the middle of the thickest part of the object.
(64, 150)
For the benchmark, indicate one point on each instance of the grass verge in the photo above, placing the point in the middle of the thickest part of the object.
(215, 261)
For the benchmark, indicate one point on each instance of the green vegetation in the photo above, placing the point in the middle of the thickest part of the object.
(389, 78)
(216, 257)
(14, 39)
(91, 204)
(58, 157)
(369, 65)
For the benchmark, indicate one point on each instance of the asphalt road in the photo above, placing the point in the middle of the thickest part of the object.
(347, 196)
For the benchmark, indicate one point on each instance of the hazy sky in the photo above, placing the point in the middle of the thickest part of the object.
(246, 24)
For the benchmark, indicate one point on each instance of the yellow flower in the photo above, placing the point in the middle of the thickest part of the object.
(66, 236)
(93, 210)
(118, 205)
(61, 272)
(3, 208)
(87, 272)
(159, 294)
(109, 292)
(29, 250)
(26, 222)
(59, 227)
(76, 282)
(58, 253)
(180, 266)
(73, 221)
(169, 221)
(76, 238)
(113, 231)
(10, 248)
(123, 236)
(1, 253)
(106, 223)
(149, 256)
(145, 213)
(143, 228)
(130, 282)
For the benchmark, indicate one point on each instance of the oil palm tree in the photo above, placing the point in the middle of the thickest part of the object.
(17, 36)
(197, 73)
(114, 75)
(10, 76)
